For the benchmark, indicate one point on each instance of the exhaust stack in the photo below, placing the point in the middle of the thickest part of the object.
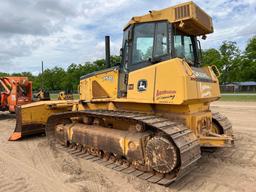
(107, 51)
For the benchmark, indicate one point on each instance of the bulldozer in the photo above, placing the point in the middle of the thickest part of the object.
(42, 95)
(65, 95)
(150, 116)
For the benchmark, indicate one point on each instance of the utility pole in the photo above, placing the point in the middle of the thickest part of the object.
(42, 78)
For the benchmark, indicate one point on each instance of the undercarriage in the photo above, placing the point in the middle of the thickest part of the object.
(152, 145)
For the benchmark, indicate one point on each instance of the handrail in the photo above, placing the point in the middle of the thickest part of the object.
(216, 70)
(187, 68)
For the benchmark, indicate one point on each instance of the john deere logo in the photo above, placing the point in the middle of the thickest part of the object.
(142, 85)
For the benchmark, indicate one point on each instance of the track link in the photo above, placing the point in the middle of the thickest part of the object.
(223, 122)
(184, 139)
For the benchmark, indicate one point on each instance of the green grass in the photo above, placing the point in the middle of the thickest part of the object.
(238, 98)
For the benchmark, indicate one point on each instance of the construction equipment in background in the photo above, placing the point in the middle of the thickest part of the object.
(65, 95)
(149, 116)
(42, 95)
(14, 91)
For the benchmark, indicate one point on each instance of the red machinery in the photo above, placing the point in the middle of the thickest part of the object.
(14, 91)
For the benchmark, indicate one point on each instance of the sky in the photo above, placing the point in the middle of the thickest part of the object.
(61, 32)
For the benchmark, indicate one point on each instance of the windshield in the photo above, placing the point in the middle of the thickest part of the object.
(184, 46)
(150, 41)
(143, 42)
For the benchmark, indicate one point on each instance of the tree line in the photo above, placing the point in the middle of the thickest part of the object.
(57, 78)
(235, 66)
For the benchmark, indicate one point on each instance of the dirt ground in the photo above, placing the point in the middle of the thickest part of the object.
(30, 165)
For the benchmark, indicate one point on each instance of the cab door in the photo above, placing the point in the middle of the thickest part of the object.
(123, 72)
(141, 84)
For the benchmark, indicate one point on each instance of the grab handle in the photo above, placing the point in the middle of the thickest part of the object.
(216, 70)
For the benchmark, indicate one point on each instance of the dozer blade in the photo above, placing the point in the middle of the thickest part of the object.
(31, 118)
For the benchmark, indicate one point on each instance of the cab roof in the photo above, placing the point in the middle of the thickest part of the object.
(188, 17)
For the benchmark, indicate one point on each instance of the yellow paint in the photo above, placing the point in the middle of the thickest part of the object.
(215, 141)
(123, 145)
(70, 133)
(38, 112)
(146, 74)
(168, 82)
(107, 80)
(197, 20)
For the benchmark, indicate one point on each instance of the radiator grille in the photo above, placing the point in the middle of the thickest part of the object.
(182, 12)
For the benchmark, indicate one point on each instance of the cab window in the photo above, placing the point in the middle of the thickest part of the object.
(184, 46)
(143, 42)
(161, 40)
(149, 42)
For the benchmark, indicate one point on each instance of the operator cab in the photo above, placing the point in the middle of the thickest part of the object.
(145, 44)
(163, 35)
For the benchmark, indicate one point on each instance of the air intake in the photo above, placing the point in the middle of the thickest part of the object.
(182, 12)
(194, 20)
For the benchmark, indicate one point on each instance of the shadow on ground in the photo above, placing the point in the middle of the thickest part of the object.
(6, 115)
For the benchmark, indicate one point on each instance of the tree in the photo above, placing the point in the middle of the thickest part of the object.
(212, 57)
(228, 59)
(250, 50)
(248, 64)
(2, 74)
(53, 78)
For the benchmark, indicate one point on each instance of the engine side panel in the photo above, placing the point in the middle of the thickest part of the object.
(100, 85)
(172, 82)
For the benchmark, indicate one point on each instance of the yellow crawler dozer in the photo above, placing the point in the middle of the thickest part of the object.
(150, 115)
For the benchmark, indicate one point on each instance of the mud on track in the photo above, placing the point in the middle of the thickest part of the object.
(30, 165)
